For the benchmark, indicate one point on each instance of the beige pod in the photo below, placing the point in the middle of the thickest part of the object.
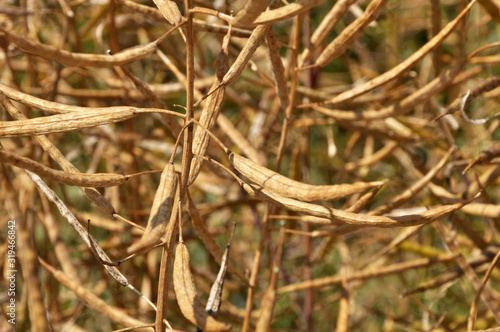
(294, 189)
(160, 211)
(187, 296)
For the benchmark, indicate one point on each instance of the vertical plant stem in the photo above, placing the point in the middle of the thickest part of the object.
(187, 153)
(288, 111)
(269, 299)
(255, 271)
(435, 28)
(165, 266)
(309, 293)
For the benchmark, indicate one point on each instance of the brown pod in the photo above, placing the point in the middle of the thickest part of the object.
(294, 189)
(187, 297)
(210, 111)
(252, 9)
(169, 10)
(160, 211)
(80, 59)
(65, 122)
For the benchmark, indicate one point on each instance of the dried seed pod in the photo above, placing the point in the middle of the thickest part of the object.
(482, 209)
(352, 33)
(201, 138)
(169, 10)
(253, 42)
(187, 297)
(249, 13)
(287, 187)
(256, 38)
(286, 12)
(278, 69)
(72, 179)
(160, 211)
(58, 108)
(78, 118)
(84, 59)
(325, 27)
(64, 122)
(210, 111)
(339, 217)
(80, 59)
(215, 298)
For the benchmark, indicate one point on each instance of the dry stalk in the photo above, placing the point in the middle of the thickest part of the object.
(473, 308)
(475, 262)
(365, 274)
(269, 299)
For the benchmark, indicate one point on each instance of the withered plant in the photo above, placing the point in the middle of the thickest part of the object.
(345, 151)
